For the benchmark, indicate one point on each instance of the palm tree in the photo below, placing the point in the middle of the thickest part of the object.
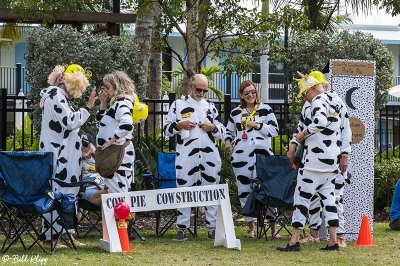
(9, 34)
(323, 14)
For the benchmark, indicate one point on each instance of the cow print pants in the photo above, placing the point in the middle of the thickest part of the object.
(315, 207)
(308, 184)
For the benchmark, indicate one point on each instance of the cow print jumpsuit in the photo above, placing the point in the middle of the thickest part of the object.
(197, 157)
(245, 150)
(320, 160)
(117, 122)
(345, 148)
(60, 135)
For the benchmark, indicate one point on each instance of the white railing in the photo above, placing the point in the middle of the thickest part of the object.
(230, 84)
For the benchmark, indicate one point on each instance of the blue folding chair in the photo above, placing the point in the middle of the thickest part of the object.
(274, 188)
(25, 195)
(166, 178)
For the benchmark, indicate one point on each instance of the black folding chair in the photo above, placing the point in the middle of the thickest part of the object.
(89, 218)
(24, 180)
(166, 178)
(274, 188)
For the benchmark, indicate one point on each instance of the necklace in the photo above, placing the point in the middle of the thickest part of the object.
(244, 125)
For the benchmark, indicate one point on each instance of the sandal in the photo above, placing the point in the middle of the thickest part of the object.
(341, 241)
(276, 236)
(251, 233)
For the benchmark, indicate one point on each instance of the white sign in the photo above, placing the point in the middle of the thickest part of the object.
(163, 199)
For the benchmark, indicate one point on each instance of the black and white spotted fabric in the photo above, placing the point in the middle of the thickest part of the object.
(60, 135)
(358, 197)
(197, 158)
(320, 160)
(345, 148)
(117, 122)
(245, 150)
(315, 219)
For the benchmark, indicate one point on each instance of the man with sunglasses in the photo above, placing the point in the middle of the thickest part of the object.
(196, 123)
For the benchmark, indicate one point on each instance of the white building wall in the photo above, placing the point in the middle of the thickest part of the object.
(7, 56)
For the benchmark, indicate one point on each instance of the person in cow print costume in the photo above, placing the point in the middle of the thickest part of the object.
(61, 123)
(116, 127)
(249, 128)
(345, 149)
(195, 121)
(321, 135)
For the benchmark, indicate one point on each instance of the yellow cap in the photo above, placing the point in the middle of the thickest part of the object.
(319, 76)
(140, 111)
(306, 83)
(77, 68)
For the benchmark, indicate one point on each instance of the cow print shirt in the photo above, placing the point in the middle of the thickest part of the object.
(325, 118)
(116, 122)
(259, 137)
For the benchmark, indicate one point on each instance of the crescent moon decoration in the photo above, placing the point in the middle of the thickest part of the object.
(349, 93)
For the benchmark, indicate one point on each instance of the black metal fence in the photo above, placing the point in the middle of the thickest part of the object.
(387, 134)
(13, 110)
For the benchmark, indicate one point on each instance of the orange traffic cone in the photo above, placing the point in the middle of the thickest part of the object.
(365, 236)
(122, 227)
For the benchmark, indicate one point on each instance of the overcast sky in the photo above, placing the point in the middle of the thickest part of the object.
(376, 18)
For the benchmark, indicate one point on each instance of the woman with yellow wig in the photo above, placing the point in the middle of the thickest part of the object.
(61, 123)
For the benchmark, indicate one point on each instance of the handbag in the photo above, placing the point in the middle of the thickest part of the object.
(298, 155)
(108, 161)
(44, 204)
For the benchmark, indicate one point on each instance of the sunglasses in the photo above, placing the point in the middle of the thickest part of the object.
(85, 143)
(247, 93)
(200, 90)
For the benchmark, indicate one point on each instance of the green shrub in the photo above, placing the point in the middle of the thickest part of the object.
(30, 137)
(387, 173)
(276, 144)
(388, 154)
(98, 53)
(228, 177)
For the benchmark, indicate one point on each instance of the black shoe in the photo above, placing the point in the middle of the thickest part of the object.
(395, 225)
(132, 235)
(331, 248)
(211, 234)
(290, 248)
(180, 236)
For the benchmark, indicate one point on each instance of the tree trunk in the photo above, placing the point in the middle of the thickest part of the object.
(192, 42)
(313, 13)
(264, 61)
(155, 77)
(143, 36)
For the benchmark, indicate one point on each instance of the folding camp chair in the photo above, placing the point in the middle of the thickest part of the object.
(24, 180)
(166, 178)
(274, 186)
(89, 214)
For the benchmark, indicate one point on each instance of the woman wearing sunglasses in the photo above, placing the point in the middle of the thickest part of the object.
(250, 127)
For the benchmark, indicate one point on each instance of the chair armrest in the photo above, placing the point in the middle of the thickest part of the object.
(74, 184)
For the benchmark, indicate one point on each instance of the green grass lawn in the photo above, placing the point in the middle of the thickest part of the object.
(201, 251)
